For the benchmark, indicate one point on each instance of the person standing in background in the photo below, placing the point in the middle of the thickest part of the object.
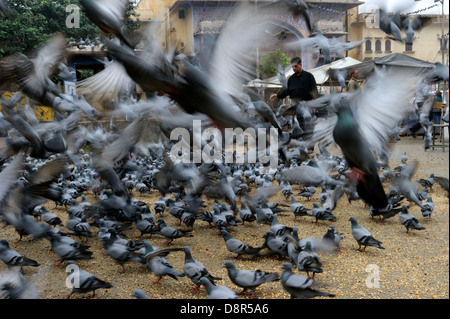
(301, 86)
(353, 84)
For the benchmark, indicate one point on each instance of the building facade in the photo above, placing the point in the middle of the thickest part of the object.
(189, 25)
(426, 44)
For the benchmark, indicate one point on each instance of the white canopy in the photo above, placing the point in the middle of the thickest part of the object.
(320, 73)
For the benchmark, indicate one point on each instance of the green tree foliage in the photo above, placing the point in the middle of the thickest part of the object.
(269, 62)
(32, 22)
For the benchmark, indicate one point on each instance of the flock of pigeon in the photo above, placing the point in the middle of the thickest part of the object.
(61, 162)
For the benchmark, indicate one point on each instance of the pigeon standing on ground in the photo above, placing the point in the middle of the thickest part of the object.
(275, 244)
(245, 214)
(122, 254)
(155, 260)
(331, 241)
(217, 292)
(169, 232)
(298, 208)
(309, 261)
(428, 182)
(363, 236)
(160, 206)
(298, 286)
(427, 208)
(12, 258)
(248, 279)
(195, 270)
(319, 212)
(234, 245)
(408, 220)
(67, 249)
(85, 282)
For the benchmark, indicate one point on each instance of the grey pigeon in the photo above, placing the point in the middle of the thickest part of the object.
(139, 294)
(307, 192)
(122, 254)
(298, 208)
(275, 244)
(408, 220)
(411, 26)
(12, 258)
(195, 270)
(51, 218)
(234, 245)
(391, 24)
(405, 186)
(13, 285)
(331, 241)
(443, 182)
(428, 182)
(108, 16)
(169, 232)
(155, 260)
(160, 206)
(385, 213)
(145, 226)
(298, 286)
(248, 279)
(217, 292)
(68, 249)
(308, 176)
(363, 236)
(309, 261)
(85, 282)
(278, 229)
(245, 214)
(319, 212)
(286, 189)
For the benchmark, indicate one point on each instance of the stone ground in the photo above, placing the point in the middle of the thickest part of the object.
(413, 265)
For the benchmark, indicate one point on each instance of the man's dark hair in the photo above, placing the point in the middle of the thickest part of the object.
(296, 60)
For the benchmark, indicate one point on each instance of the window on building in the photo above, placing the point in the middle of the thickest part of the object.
(378, 46)
(387, 46)
(368, 46)
(408, 47)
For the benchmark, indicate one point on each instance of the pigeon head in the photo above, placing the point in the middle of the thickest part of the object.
(287, 266)
(353, 220)
(4, 242)
(228, 264)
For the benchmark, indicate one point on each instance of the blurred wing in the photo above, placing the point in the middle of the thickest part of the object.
(50, 171)
(119, 148)
(113, 79)
(115, 7)
(382, 104)
(9, 176)
(234, 55)
(49, 57)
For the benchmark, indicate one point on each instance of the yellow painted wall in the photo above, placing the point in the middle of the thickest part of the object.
(426, 44)
(43, 113)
